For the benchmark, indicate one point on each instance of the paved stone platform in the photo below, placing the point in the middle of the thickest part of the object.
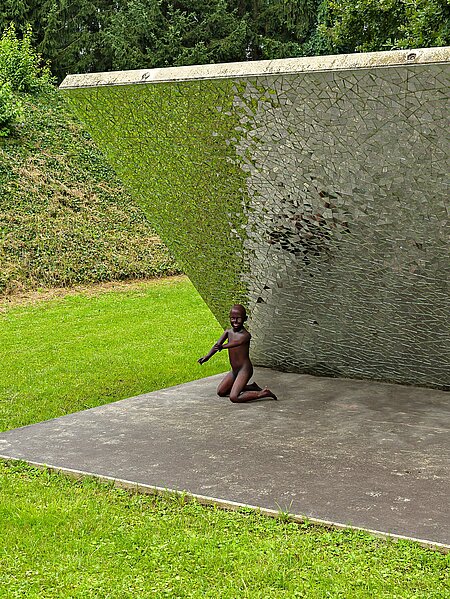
(371, 455)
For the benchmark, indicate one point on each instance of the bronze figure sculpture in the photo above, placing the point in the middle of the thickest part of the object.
(236, 383)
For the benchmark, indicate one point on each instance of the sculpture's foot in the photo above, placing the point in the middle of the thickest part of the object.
(253, 387)
(266, 392)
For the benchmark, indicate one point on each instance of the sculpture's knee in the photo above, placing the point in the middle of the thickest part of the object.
(234, 398)
(221, 393)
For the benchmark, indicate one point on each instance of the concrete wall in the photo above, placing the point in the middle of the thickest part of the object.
(313, 190)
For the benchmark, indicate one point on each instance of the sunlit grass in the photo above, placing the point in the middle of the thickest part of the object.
(81, 351)
(83, 539)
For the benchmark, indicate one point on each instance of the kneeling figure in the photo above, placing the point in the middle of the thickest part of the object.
(236, 383)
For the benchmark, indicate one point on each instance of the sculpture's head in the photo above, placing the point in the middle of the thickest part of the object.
(238, 316)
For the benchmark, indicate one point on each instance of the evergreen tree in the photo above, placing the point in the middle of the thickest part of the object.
(151, 33)
(100, 35)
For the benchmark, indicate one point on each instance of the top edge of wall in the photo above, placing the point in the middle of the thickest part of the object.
(234, 70)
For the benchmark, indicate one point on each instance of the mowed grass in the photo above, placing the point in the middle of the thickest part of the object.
(84, 350)
(66, 539)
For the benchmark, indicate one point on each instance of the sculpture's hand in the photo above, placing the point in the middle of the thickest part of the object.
(202, 360)
(218, 347)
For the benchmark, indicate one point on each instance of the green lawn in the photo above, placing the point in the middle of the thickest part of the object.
(82, 351)
(66, 539)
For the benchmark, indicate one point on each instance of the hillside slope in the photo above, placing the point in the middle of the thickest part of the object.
(64, 217)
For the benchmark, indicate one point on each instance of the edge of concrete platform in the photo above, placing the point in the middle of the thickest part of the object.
(224, 503)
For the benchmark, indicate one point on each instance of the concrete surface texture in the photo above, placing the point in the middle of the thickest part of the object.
(372, 455)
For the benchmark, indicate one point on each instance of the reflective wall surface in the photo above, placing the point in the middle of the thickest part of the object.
(314, 193)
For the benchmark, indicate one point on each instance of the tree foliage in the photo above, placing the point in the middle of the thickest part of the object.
(97, 35)
(100, 35)
(371, 25)
(176, 33)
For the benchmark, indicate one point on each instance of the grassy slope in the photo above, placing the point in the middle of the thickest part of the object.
(64, 217)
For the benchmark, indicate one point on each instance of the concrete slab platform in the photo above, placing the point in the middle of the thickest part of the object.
(372, 455)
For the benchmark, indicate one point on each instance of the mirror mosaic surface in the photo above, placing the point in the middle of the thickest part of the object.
(317, 198)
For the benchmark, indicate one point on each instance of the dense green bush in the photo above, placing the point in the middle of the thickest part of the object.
(20, 65)
(10, 109)
(21, 72)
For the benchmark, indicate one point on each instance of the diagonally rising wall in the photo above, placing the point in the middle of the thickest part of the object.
(313, 190)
